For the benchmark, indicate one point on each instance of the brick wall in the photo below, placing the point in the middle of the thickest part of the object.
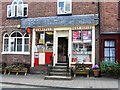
(10, 59)
(44, 9)
(0, 31)
(109, 15)
(5, 20)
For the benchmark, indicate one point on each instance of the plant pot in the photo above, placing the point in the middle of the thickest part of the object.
(96, 73)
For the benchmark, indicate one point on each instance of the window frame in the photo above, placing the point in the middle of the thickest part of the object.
(16, 47)
(15, 9)
(110, 47)
(64, 12)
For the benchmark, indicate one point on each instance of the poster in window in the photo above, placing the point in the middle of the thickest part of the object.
(41, 40)
(76, 35)
(87, 36)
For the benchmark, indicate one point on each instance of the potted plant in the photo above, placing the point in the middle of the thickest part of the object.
(96, 70)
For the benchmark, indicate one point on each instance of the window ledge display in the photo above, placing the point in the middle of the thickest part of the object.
(82, 52)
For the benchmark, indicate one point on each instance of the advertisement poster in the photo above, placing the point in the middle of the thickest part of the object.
(76, 35)
(87, 36)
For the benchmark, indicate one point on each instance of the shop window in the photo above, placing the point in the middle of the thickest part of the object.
(15, 43)
(82, 45)
(44, 41)
(49, 41)
(64, 7)
(17, 9)
(109, 51)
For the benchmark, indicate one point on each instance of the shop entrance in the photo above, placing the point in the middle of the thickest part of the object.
(62, 49)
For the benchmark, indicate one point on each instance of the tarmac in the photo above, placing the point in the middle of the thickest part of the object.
(37, 80)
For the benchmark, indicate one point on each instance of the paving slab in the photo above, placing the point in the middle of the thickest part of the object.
(77, 82)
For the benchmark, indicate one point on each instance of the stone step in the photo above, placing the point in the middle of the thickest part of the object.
(59, 73)
(60, 67)
(59, 70)
(61, 64)
(58, 77)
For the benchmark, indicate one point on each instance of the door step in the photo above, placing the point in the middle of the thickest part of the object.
(59, 73)
(58, 77)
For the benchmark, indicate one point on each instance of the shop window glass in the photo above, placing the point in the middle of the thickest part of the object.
(44, 41)
(82, 45)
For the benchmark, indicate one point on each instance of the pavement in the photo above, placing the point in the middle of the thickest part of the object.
(37, 80)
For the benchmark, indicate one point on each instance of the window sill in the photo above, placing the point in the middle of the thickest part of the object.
(22, 53)
(65, 14)
(17, 17)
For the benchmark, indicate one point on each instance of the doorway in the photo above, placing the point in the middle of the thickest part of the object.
(62, 49)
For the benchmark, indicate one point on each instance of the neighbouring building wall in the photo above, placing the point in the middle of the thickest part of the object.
(110, 32)
(0, 31)
(97, 45)
(109, 15)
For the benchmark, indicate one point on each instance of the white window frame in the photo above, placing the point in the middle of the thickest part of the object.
(15, 13)
(4, 40)
(9, 44)
(64, 12)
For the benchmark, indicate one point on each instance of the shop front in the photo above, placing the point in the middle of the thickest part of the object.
(66, 44)
(70, 39)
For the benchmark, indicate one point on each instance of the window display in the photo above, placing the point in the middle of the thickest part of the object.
(76, 35)
(44, 41)
(82, 50)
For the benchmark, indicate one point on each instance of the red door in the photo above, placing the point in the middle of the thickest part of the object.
(48, 57)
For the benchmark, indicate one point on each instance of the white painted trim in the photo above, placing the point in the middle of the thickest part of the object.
(70, 47)
(13, 6)
(26, 53)
(59, 32)
(54, 48)
(33, 45)
(93, 45)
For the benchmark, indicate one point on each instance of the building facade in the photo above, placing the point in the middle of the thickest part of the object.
(39, 33)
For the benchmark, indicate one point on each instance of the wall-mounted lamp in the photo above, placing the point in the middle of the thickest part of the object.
(18, 26)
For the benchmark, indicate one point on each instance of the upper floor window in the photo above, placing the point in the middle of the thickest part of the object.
(17, 9)
(16, 43)
(64, 7)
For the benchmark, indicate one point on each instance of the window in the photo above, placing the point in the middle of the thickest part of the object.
(6, 42)
(82, 46)
(109, 51)
(17, 9)
(64, 7)
(16, 42)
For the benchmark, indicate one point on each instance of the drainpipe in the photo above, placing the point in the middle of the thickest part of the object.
(99, 27)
